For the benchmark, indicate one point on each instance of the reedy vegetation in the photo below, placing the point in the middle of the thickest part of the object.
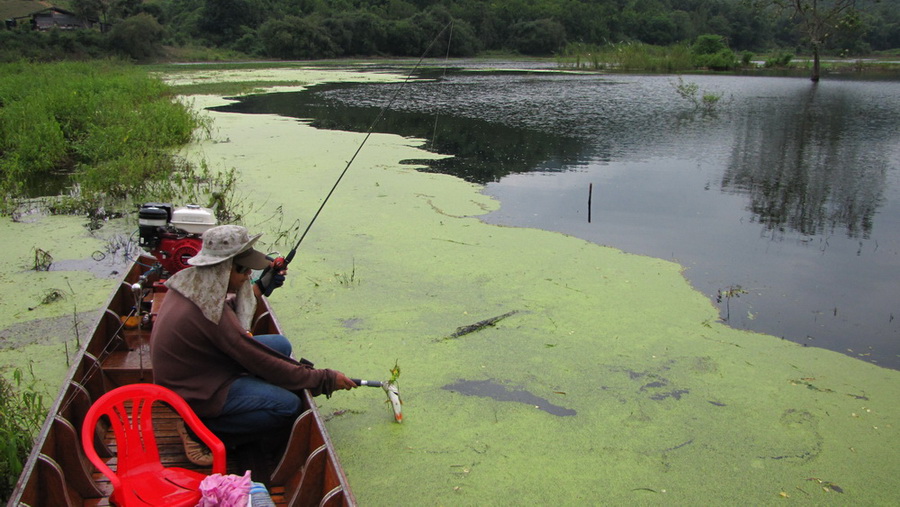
(21, 414)
(107, 127)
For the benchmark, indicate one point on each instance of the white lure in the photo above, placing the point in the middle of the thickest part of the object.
(393, 395)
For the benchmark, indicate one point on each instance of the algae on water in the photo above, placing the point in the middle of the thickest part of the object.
(655, 402)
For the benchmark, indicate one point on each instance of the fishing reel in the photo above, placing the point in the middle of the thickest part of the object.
(172, 235)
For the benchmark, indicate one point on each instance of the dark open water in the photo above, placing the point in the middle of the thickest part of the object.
(786, 197)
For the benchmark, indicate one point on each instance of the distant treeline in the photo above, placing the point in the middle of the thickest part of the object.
(309, 29)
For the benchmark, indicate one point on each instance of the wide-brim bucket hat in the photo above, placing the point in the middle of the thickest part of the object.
(225, 242)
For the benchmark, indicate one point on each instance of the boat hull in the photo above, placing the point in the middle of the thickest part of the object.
(57, 473)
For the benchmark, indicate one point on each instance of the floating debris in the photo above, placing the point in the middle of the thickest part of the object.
(464, 330)
(42, 260)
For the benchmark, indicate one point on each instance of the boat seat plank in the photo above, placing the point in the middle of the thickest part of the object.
(67, 447)
(76, 403)
(334, 498)
(124, 367)
(301, 443)
(107, 335)
(331, 481)
(132, 364)
(92, 376)
(53, 489)
(313, 479)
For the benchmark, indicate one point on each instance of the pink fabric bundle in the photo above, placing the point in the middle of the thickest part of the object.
(225, 490)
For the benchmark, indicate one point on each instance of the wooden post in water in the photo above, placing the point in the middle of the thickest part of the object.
(590, 194)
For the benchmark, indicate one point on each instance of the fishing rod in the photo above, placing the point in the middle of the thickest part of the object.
(280, 263)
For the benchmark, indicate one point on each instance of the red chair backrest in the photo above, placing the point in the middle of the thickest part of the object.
(129, 409)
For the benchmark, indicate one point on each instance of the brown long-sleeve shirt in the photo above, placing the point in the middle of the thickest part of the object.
(199, 359)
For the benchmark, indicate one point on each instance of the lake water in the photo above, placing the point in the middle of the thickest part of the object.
(782, 203)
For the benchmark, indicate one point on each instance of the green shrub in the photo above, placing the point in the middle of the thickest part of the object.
(108, 124)
(24, 44)
(711, 52)
(709, 44)
(781, 59)
(21, 414)
(138, 37)
(658, 59)
(723, 60)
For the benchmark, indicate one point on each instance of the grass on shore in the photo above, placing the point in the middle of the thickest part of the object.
(638, 57)
(105, 131)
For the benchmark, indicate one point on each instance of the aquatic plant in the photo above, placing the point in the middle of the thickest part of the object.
(701, 99)
(348, 279)
(626, 56)
(395, 372)
(21, 414)
(42, 260)
(581, 56)
(727, 294)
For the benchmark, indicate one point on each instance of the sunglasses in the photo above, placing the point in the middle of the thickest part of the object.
(242, 270)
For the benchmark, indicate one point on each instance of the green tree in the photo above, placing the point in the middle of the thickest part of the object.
(222, 21)
(138, 37)
(432, 28)
(883, 27)
(294, 37)
(711, 51)
(541, 37)
(357, 32)
(818, 20)
(92, 9)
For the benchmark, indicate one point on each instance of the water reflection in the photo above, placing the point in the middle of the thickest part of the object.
(806, 169)
(484, 150)
(788, 190)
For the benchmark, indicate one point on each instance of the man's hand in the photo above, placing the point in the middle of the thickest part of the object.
(341, 381)
(271, 280)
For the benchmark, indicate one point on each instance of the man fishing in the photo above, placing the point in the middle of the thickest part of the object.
(201, 348)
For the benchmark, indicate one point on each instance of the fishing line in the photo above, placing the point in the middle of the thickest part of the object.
(95, 365)
(437, 113)
(95, 361)
(384, 108)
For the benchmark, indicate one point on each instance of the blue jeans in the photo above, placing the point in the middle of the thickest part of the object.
(254, 405)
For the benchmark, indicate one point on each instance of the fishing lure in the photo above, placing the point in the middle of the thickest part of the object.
(393, 394)
(391, 389)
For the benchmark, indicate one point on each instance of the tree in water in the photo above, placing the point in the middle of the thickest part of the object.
(818, 20)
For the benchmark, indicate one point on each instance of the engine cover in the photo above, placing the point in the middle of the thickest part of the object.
(173, 251)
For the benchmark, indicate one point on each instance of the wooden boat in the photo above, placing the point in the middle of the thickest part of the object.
(57, 472)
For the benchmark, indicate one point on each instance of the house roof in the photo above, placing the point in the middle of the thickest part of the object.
(21, 8)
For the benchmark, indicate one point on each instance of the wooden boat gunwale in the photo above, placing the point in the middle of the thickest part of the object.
(57, 471)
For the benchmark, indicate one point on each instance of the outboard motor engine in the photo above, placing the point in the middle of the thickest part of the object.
(173, 235)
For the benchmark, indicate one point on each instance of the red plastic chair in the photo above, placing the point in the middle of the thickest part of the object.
(140, 478)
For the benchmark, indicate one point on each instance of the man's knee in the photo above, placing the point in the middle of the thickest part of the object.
(276, 342)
